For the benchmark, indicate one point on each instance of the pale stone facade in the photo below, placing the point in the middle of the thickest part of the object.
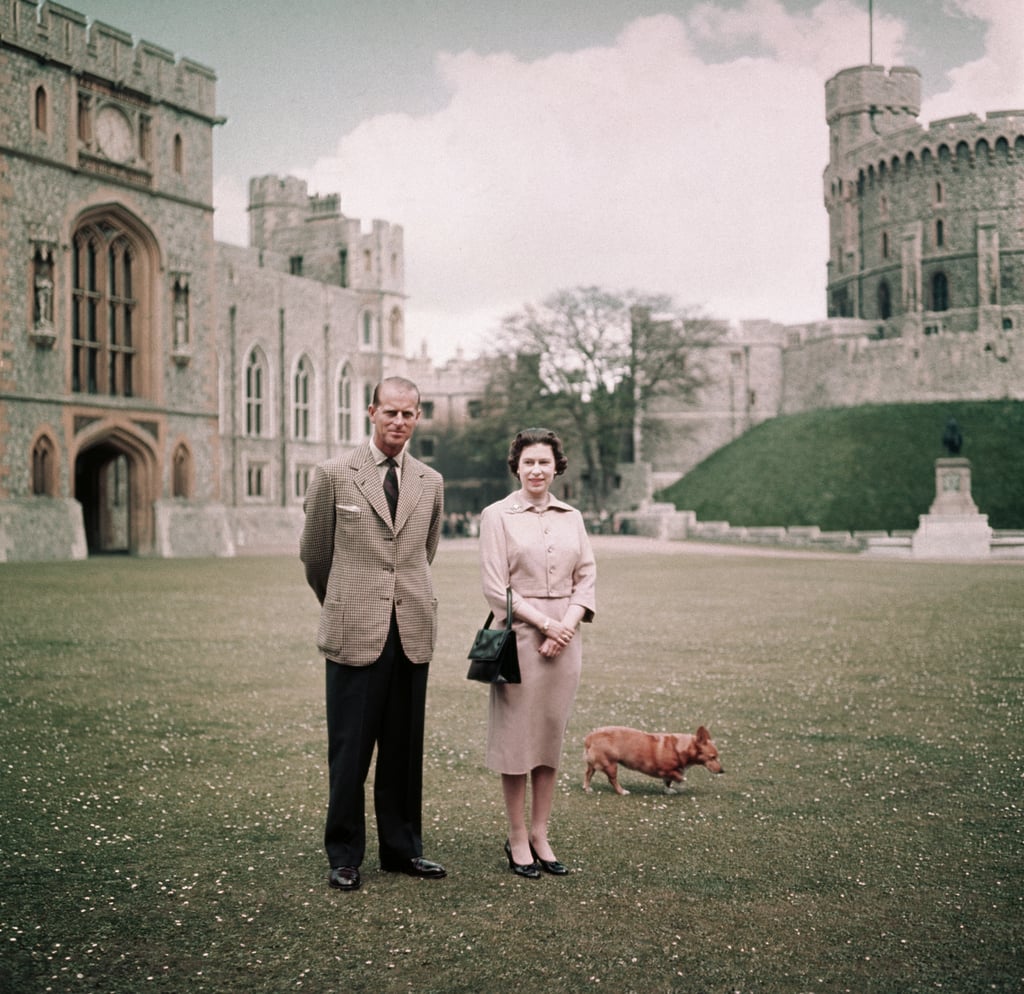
(108, 362)
(162, 394)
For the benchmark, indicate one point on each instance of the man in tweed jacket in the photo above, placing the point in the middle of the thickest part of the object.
(378, 624)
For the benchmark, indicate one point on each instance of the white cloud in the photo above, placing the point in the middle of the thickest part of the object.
(833, 35)
(684, 159)
(996, 80)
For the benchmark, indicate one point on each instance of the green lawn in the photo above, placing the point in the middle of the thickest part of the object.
(163, 787)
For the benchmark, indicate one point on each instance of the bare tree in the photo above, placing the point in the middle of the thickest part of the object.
(591, 360)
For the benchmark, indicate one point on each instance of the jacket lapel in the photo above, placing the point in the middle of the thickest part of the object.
(367, 478)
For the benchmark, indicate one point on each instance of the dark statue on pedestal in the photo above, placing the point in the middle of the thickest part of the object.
(952, 439)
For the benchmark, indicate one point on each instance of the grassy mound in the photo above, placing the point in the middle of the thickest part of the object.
(863, 468)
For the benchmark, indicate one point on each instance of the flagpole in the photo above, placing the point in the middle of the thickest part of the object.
(871, 33)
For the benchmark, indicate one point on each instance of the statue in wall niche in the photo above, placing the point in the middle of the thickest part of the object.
(952, 438)
(180, 315)
(43, 290)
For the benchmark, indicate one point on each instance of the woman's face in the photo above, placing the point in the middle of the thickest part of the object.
(536, 469)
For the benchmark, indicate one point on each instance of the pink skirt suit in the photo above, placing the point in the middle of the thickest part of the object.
(546, 558)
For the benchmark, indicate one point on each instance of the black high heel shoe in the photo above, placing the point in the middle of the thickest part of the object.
(551, 866)
(528, 870)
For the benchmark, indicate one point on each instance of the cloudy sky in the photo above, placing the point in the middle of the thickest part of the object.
(670, 146)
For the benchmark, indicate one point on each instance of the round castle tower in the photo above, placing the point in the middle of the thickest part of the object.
(923, 228)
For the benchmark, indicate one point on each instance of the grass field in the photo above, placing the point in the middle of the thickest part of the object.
(163, 787)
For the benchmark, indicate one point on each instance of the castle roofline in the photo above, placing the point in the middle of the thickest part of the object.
(95, 49)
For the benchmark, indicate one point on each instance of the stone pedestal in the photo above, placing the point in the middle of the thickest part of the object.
(952, 528)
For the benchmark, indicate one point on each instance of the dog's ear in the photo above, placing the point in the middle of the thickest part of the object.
(702, 734)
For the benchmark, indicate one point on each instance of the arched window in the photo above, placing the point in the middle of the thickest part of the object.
(367, 328)
(181, 471)
(940, 233)
(44, 467)
(938, 192)
(106, 340)
(41, 110)
(345, 404)
(885, 244)
(255, 385)
(884, 301)
(179, 155)
(301, 398)
(940, 292)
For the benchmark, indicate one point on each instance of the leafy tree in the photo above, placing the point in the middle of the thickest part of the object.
(588, 362)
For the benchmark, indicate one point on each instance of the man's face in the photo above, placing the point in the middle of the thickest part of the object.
(394, 418)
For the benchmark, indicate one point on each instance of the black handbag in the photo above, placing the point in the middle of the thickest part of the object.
(494, 657)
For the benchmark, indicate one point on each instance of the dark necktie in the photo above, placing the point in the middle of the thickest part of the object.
(391, 486)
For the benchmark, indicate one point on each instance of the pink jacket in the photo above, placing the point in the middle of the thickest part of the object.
(538, 555)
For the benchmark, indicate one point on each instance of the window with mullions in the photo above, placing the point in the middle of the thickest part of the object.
(255, 377)
(300, 408)
(345, 404)
(104, 337)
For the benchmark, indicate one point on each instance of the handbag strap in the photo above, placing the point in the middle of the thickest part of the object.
(508, 609)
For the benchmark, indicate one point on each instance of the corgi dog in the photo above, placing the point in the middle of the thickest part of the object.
(663, 755)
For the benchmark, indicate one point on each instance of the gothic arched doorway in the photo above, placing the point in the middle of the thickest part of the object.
(114, 474)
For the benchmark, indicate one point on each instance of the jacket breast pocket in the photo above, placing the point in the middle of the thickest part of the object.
(347, 518)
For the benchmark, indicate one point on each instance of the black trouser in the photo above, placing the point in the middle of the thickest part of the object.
(379, 705)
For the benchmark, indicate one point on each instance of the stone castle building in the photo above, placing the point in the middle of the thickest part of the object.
(163, 394)
(925, 277)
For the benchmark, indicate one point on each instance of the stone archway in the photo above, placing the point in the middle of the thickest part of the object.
(116, 484)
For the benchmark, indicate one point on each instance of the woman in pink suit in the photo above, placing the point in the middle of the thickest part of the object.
(538, 546)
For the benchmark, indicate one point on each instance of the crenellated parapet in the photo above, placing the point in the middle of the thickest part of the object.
(309, 236)
(61, 36)
(962, 142)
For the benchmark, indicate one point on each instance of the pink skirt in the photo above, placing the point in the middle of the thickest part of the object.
(527, 721)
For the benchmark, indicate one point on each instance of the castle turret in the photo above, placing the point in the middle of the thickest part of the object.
(866, 102)
(275, 203)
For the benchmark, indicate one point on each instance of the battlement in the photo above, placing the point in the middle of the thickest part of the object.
(873, 88)
(60, 35)
(328, 205)
(965, 137)
(278, 191)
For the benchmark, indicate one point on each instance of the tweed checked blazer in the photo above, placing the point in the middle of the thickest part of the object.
(360, 565)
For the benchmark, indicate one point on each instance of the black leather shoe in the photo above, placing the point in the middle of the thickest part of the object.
(528, 870)
(416, 867)
(344, 878)
(551, 866)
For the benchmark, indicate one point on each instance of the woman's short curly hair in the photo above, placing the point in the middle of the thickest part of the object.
(536, 436)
